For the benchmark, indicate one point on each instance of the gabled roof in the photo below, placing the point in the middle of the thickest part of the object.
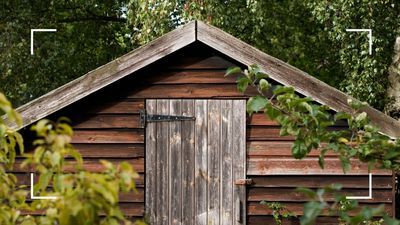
(216, 39)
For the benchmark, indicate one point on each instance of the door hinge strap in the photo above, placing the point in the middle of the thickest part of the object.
(149, 118)
(243, 182)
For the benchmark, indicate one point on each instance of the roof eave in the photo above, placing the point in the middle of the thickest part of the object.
(105, 75)
(290, 76)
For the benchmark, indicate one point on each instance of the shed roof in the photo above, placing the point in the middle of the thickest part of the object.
(216, 39)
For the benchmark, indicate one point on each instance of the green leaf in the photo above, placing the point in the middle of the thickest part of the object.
(361, 118)
(299, 149)
(321, 158)
(342, 116)
(44, 180)
(283, 90)
(233, 70)
(264, 85)
(391, 221)
(311, 211)
(392, 154)
(77, 156)
(346, 166)
(272, 112)
(255, 104)
(261, 75)
(242, 83)
(310, 193)
(105, 193)
(307, 107)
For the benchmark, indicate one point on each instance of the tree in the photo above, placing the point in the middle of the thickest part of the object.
(310, 35)
(366, 76)
(284, 29)
(83, 197)
(307, 34)
(89, 34)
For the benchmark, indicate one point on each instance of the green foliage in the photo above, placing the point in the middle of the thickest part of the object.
(83, 197)
(279, 211)
(366, 76)
(308, 122)
(339, 206)
(89, 34)
(12, 197)
(286, 29)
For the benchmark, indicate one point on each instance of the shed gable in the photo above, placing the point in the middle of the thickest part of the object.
(107, 126)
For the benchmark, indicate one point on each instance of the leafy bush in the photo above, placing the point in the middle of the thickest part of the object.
(83, 197)
(308, 122)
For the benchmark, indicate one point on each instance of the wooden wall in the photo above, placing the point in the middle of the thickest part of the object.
(107, 126)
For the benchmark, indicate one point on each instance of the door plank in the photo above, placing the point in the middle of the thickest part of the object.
(162, 164)
(239, 157)
(214, 117)
(226, 163)
(188, 152)
(175, 168)
(151, 160)
(201, 173)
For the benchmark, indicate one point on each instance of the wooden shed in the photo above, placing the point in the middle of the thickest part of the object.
(168, 110)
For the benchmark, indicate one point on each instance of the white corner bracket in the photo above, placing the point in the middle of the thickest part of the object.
(364, 197)
(40, 197)
(369, 36)
(39, 30)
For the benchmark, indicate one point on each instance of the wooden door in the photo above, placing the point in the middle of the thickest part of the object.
(191, 166)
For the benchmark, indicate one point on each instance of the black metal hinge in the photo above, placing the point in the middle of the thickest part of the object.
(151, 118)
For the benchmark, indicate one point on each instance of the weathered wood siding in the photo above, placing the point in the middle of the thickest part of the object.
(107, 126)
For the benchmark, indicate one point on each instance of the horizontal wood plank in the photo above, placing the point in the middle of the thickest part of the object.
(270, 133)
(318, 181)
(106, 121)
(261, 119)
(201, 62)
(108, 136)
(279, 194)
(24, 178)
(189, 77)
(105, 151)
(110, 150)
(122, 106)
(92, 165)
(277, 149)
(190, 91)
(307, 166)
